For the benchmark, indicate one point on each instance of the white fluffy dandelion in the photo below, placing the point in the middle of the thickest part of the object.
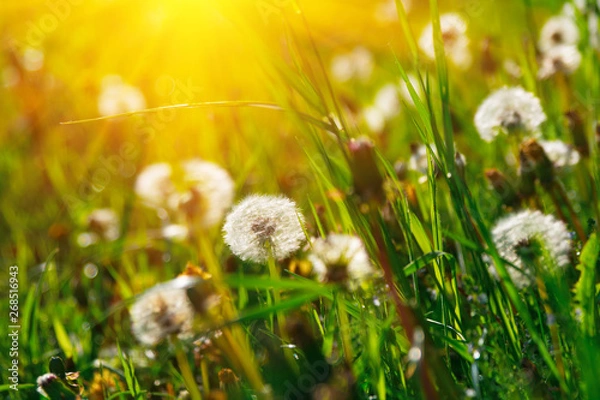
(386, 106)
(455, 39)
(515, 232)
(154, 186)
(261, 226)
(374, 119)
(560, 153)
(387, 100)
(341, 259)
(202, 192)
(558, 31)
(210, 192)
(509, 109)
(162, 311)
(118, 97)
(564, 58)
(104, 222)
(357, 64)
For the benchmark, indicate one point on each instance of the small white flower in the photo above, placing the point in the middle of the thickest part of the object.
(162, 311)
(261, 226)
(44, 381)
(104, 222)
(509, 109)
(561, 154)
(358, 64)
(562, 58)
(118, 97)
(558, 31)
(514, 232)
(454, 36)
(341, 259)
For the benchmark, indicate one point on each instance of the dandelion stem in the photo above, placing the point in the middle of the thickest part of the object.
(575, 219)
(345, 329)
(186, 371)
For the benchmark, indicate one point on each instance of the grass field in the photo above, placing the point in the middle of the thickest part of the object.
(287, 199)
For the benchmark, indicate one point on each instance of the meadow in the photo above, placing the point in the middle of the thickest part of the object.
(297, 199)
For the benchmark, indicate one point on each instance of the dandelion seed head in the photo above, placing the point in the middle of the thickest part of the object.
(454, 37)
(154, 186)
(175, 232)
(202, 194)
(509, 109)
(342, 259)
(162, 311)
(513, 233)
(211, 191)
(357, 64)
(560, 153)
(262, 225)
(558, 31)
(387, 100)
(118, 97)
(105, 223)
(562, 58)
(374, 119)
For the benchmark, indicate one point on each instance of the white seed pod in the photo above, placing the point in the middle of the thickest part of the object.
(262, 226)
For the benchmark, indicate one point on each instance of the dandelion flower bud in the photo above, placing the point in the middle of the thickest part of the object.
(341, 259)
(263, 226)
(456, 42)
(516, 231)
(162, 311)
(509, 109)
(118, 97)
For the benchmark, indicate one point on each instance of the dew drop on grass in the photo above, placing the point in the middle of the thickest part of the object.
(90, 270)
(476, 355)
